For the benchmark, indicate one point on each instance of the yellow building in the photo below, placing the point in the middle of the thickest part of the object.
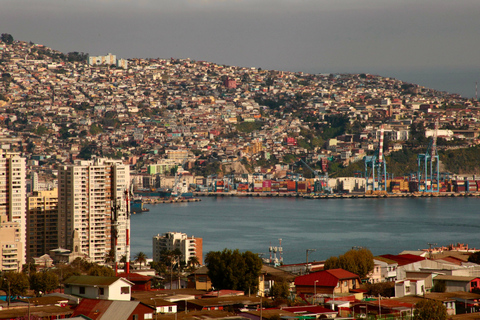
(42, 222)
(11, 245)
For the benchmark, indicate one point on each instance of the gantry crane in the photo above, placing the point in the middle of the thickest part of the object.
(320, 178)
(376, 169)
(429, 165)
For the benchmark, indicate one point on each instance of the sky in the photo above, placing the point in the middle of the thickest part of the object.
(432, 41)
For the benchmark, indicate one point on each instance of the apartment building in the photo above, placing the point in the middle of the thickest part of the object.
(12, 210)
(189, 246)
(109, 59)
(92, 199)
(42, 222)
(12, 254)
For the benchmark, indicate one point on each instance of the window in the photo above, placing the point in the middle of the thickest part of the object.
(170, 309)
(345, 283)
(148, 316)
(135, 317)
(81, 290)
(407, 289)
(125, 290)
(101, 291)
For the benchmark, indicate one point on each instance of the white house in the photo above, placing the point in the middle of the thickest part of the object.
(104, 288)
(409, 288)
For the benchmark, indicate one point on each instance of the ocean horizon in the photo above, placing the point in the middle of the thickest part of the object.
(459, 80)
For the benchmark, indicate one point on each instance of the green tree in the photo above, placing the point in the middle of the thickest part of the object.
(141, 258)
(358, 261)
(280, 290)
(110, 257)
(43, 282)
(234, 270)
(14, 284)
(427, 309)
(384, 289)
(7, 38)
(100, 271)
(159, 267)
(474, 257)
(95, 129)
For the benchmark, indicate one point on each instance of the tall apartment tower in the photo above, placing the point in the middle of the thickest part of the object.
(42, 223)
(92, 199)
(12, 210)
(189, 246)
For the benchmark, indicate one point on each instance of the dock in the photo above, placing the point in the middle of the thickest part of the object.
(336, 195)
(172, 200)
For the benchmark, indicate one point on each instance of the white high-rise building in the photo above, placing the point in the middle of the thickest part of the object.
(92, 199)
(188, 246)
(12, 209)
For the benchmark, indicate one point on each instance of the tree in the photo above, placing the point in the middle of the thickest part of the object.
(384, 289)
(234, 270)
(141, 258)
(110, 257)
(193, 263)
(280, 290)
(100, 271)
(7, 38)
(358, 261)
(43, 282)
(14, 284)
(475, 257)
(430, 310)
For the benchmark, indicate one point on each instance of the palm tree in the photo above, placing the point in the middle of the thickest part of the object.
(110, 257)
(192, 263)
(141, 257)
(123, 259)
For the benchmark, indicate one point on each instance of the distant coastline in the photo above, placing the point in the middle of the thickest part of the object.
(459, 80)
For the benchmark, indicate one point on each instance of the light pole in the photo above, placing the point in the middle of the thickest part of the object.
(315, 292)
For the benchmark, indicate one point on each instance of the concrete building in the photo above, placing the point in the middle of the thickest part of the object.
(12, 208)
(92, 199)
(11, 246)
(42, 222)
(189, 246)
(109, 59)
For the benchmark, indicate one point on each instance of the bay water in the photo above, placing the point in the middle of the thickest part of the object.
(332, 227)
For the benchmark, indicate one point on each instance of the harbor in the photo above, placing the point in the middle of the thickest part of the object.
(384, 225)
(355, 195)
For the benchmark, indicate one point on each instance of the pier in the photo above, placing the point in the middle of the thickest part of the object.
(336, 195)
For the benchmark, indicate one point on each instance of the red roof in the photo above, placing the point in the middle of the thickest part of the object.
(326, 278)
(134, 277)
(92, 308)
(403, 259)
(309, 309)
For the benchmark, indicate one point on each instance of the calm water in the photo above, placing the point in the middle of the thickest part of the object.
(330, 226)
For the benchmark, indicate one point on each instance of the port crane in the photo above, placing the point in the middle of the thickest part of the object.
(376, 169)
(177, 188)
(320, 178)
(429, 165)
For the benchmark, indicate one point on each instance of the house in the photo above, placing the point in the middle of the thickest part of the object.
(119, 310)
(224, 303)
(458, 283)
(384, 270)
(140, 282)
(409, 287)
(312, 311)
(105, 288)
(327, 282)
(199, 280)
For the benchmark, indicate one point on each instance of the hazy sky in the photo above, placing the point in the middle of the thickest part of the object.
(374, 36)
